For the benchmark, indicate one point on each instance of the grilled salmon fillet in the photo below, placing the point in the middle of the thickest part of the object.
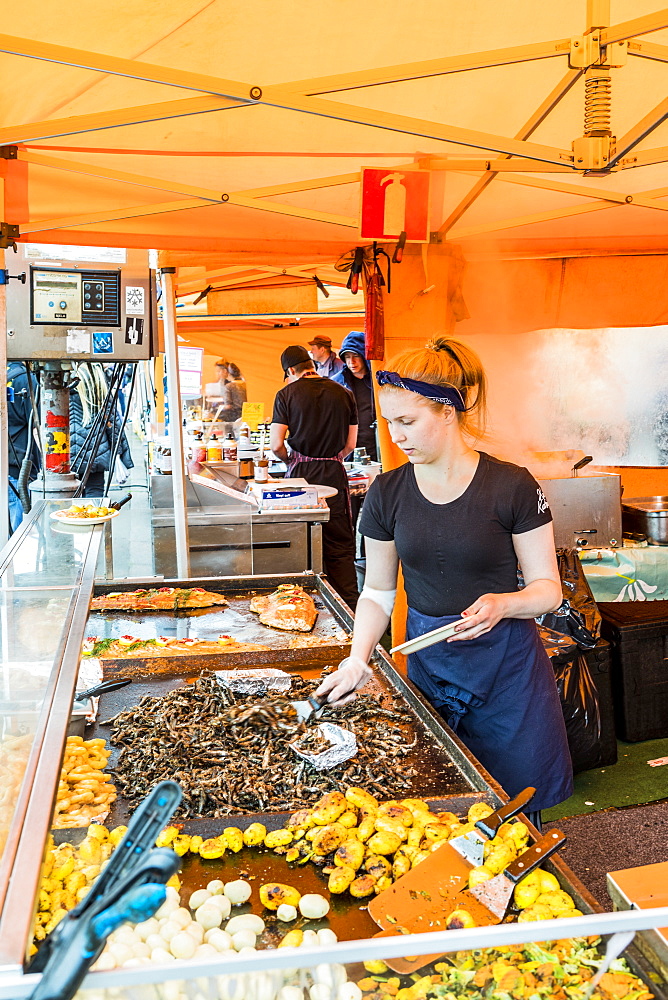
(289, 608)
(157, 599)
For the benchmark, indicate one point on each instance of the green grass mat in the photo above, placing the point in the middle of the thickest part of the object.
(629, 782)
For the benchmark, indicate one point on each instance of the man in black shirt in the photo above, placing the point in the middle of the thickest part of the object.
(356, 377)
(321, 419)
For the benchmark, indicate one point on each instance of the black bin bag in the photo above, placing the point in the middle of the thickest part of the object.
(580, 708)
(578, 620)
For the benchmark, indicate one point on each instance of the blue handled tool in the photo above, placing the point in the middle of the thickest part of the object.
(131, 888)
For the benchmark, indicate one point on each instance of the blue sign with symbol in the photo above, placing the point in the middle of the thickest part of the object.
(103, 342)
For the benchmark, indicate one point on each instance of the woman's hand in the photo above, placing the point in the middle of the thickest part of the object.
(482, 616)
(339, 687)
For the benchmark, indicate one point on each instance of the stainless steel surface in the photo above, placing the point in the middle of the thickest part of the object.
(175, 428)
(647, 516)
(20, 864)
(587, 510)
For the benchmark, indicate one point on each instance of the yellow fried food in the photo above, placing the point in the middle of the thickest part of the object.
(195, 843)
(348, 819)
(366, 828)
(181, 844)
(557, 900)
(292, 939)
(361, 799)
(299, 853)
(328, 838)
(396, 810)
(117, 834)
(401, 865)
(527, 891)
(328, 809)
(384, 842)
(212, 848)
(478, 811)
(278, 838)
(301, 820)
(536, 912)
(479, 874)
(391, 825)
(234, 838)
(459, 919)
(272, 894)
(350, 854)
(376, 967)
(254, 834)
(362, 886)
(340, 878)
(377, 865)
(166, 836)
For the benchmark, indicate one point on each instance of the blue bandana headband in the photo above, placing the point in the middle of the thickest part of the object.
(448, 394)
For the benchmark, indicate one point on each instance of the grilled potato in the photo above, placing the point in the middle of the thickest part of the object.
(348, 819)
(181, 844)
(299, 853)
(328, 809)
(254, 834)
(278, 838)
(234, 838)
(396, 810)
(328, 838)
(400, 865)
(341, 878)
(195, 843)
(384, 882)
(350, 854)
(166, 836)
(377, 865)
(384, 842)
(361, 799)
(391, 826)
(272, 894)
(478, 811)
(212, 848)
(301, 820)
(366, 828)
(362, 886)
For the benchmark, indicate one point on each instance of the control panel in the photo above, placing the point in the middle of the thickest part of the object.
(82, 303)
(90, 298)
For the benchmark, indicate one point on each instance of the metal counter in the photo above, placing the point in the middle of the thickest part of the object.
(40, 553)
(226, 537)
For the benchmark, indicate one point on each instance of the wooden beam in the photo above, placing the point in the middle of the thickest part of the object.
(639, 131)
(430, 67)
(638, 26)
(539, 115)
(50, 129)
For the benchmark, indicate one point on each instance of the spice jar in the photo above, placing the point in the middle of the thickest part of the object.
(262, 470)
(230, 449)
(214, 452)
(199, 448)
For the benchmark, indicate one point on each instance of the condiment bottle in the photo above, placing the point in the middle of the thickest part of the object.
(214, 452)
(199, 448)
(230, 449)
(262, 470)
(166, 461)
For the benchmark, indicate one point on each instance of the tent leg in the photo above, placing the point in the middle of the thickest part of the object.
(175, 427)
(4, 417)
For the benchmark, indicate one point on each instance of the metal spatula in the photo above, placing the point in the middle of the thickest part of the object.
(305, 709)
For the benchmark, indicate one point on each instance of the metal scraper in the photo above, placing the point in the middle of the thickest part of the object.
(308, 708)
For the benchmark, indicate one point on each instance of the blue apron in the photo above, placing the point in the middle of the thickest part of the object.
(499, 695)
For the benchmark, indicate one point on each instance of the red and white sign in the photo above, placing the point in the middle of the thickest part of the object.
(395, 201)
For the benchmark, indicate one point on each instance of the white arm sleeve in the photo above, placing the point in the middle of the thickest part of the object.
(383, 598)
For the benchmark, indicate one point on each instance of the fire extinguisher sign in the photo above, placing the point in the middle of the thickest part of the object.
(395, 201)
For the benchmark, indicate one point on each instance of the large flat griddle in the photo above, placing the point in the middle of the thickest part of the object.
(236, 620)
(436, 773)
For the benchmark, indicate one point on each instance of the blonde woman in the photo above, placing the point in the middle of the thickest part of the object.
(461, 522)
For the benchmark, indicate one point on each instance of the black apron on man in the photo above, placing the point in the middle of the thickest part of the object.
(318, 414)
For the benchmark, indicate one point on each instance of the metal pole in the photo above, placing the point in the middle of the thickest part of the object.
(4, 421)
(175, 428)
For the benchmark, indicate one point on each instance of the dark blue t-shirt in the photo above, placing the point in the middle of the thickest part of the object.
(452, 553)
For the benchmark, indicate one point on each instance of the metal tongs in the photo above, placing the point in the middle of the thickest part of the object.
(131, 888)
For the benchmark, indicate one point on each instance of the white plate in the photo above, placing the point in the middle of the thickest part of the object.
(57, 515)
(326, 491)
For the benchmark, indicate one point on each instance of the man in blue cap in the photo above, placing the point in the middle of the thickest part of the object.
(356, 376)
